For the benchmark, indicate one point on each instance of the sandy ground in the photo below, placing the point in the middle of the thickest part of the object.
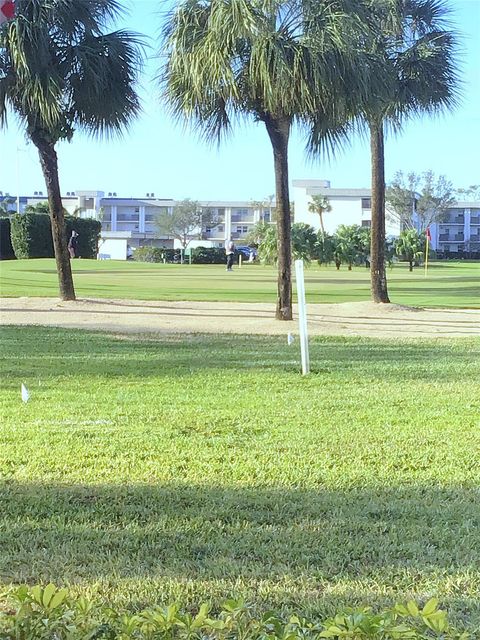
(135, 316)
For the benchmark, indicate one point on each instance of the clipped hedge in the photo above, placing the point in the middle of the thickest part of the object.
(6, 249)
(157, 254)
(208, 255)
(49, 613)
(31, 235)
(88, 231)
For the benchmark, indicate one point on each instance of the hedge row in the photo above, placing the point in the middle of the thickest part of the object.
(200, 255)
(31, 235)
(49, 613)
(6, 249)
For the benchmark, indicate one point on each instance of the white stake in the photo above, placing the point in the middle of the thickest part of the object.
(290, 339)
(302, 317)
(25, 394)
(240, 261)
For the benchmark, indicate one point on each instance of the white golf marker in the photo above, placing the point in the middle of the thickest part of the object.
(302, 317)
(25, 394)
(290, 339)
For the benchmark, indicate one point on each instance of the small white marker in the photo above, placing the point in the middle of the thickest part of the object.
(290, 339)
(25, 394)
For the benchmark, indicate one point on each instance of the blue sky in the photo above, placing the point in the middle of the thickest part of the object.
(157, 155)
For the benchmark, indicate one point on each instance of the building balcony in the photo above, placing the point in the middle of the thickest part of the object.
(244, 219)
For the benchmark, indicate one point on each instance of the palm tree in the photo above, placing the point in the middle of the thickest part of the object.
(418, 52)
(320, 205)
(282, 62)
(59, 72)
(410, 245)
(348, 242)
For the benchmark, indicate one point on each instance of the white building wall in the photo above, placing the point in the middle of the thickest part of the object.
(113, 248)
(348, 206)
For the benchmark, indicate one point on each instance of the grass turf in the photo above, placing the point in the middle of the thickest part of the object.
(196, 468)
(449, 284)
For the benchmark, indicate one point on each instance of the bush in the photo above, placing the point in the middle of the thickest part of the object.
(149, 254)
(208, 255)
(45, 613)
(88, 231)
(6, 249)
(31, 235)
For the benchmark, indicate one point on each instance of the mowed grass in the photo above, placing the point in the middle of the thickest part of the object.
(147, 470)
(449, 284)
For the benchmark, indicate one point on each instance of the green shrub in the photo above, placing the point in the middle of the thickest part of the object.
(149, 254)
(88, 231)
(49, 613)
(31, 235)
(6, 249)
(208, 255)
(157, 254)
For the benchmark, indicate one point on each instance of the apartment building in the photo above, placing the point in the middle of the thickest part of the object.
(130, 222)
(349, 206)
(459, 233)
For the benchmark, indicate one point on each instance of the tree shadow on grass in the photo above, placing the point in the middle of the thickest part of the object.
(44, 352)
(393, 541)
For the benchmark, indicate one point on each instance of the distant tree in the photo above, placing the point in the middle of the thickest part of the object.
(258, 233)
(348, 242)
(40, 207)
(325, 248)
(186, 222)
(410, 246)
(418, 200)
(268, 246)
(304, 242)
(320, 205)
(7, 206)
(364, 244)
(470, 193)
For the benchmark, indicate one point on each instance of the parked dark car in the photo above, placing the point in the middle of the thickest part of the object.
(246, 251)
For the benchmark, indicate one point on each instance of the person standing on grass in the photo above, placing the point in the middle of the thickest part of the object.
(73, 245)
(230, 253)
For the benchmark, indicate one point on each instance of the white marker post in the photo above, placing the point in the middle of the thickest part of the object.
(239, 260)
(302, 317)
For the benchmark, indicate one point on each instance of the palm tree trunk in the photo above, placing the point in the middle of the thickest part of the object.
(49, 163)
(279, 131)
(321, 223)
(378, 275)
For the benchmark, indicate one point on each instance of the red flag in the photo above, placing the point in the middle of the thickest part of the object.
(427, 233)
(7, 10)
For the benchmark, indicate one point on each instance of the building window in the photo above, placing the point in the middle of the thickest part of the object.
(220, 227)
(239, 229)
(366, 203)
(366, 223)
(137, 209)
(266, 216)
(208, 230)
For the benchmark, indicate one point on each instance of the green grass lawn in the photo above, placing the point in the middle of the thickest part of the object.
(452, 284)
(196, 468)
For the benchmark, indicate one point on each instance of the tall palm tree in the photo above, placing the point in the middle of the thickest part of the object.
(61, 71)
(282, 62)
(418, 50)
(320, 205)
